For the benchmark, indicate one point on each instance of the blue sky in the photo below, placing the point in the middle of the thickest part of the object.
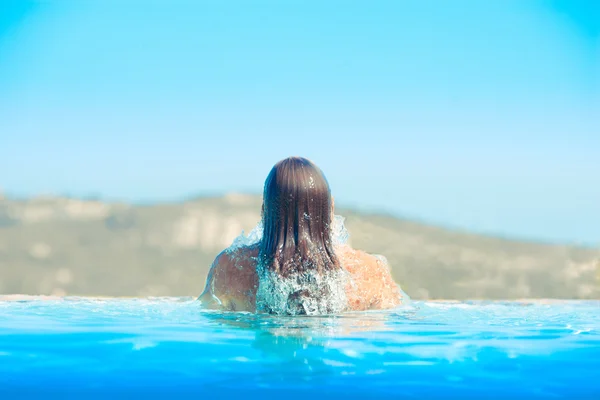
(481, 115)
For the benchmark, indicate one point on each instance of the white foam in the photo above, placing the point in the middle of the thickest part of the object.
(307, 293)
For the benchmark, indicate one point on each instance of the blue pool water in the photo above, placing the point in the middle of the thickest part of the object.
(170, 347)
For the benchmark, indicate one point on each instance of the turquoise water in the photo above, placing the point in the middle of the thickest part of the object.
(167, 347)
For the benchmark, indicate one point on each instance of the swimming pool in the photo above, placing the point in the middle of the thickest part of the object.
(165, 347)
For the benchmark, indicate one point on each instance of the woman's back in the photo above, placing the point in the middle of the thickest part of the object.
(233, 280)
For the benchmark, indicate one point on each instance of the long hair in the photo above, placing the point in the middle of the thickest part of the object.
(297, 218)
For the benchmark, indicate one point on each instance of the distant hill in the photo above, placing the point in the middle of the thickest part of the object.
(60, 246)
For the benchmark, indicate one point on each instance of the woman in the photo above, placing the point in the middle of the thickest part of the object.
(296, 267)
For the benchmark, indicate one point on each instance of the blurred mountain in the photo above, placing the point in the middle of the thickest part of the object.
(57, 245)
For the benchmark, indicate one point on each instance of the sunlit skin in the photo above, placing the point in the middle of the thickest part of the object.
(296, 186)
(233, 280)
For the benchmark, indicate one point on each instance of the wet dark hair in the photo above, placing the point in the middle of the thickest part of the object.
(297, 217)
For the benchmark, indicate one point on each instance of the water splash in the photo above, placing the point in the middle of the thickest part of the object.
(339, 233)
(307, 293)
(254, 237)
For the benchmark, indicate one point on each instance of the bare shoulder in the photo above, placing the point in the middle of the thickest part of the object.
(358, 261)
(239, 260)
(232, 280)
(355, 259)
(372, 286)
